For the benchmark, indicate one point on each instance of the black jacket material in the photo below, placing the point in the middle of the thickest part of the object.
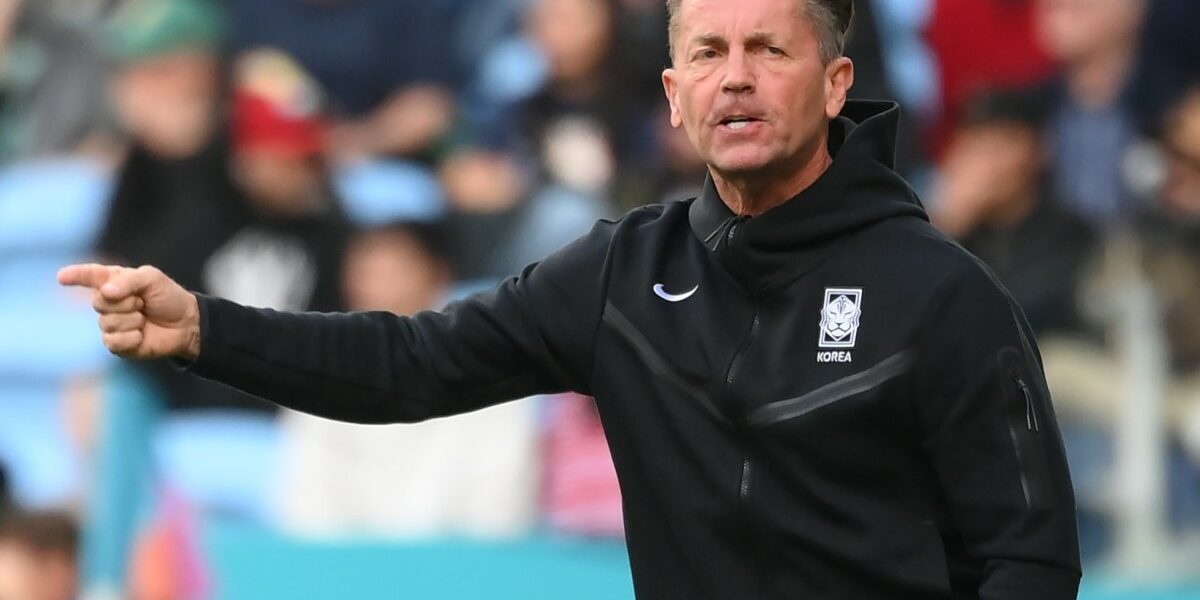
(920, 459)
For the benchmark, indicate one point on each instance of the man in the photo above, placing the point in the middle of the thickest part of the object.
(808, 390)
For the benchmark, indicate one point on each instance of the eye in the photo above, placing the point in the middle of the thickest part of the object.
(775, 51)
(705, 54)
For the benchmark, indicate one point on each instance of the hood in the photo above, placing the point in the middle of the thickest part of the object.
(860, 189)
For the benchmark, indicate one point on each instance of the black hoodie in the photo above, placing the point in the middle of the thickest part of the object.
(830, 400)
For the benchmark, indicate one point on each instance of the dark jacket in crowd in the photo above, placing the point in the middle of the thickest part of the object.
(1042, 261)
(187, 217)
(829, 400)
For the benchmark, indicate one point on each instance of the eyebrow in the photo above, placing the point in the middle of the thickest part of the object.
(756, 38)
(761, 38)
(710, 39)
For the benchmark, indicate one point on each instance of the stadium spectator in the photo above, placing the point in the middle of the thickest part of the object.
(478, 475)
(49, 76)
(1170, 238)
(38, 557)
(166, 92)
(1171, 233)
(283, 244)
(386, 65)
(994, 197)
(582, 126)
(1092, 126)
(981, 44)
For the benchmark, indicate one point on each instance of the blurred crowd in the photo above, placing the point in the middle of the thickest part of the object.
(397, 154)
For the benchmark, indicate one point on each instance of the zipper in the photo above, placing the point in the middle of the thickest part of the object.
(1012, 433)
(863, 381)
(1031, 418)
(1031, 473)
(745, 485)
(745, 481)
(728, 230)
(734, 364)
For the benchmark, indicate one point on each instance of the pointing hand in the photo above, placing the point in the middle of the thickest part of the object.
(143, 313)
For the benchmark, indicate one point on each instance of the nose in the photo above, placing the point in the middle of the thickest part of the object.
(739, 76)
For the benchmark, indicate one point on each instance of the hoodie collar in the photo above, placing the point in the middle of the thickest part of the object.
(860, 188)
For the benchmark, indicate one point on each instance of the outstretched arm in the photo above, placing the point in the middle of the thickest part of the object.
(533, 334)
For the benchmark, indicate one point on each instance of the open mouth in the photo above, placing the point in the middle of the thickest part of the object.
(736, 122)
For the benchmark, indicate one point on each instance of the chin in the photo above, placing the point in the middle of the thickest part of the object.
(742, 165)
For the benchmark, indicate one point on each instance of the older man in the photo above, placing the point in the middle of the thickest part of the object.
(808, 390)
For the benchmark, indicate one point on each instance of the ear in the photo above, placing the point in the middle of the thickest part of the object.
(671, 88)
(839, 77)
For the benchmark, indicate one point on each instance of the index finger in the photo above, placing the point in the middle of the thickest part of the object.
(88, 275)
(128, 281)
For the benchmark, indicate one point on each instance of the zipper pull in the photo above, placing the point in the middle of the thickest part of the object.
(1031, 419)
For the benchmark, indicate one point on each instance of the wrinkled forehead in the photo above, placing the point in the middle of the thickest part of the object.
(733, 19)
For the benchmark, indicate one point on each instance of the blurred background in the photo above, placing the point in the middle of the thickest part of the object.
(397, 154)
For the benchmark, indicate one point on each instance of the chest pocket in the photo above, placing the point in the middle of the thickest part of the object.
(835, 391)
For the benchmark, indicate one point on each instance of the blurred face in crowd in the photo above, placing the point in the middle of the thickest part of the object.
(1075, 30)
(168, 102)
(574, 34)
(391, 270)
(749, 86)
(30, 574)
(279, 182)
(1182, 144)
(990, 172)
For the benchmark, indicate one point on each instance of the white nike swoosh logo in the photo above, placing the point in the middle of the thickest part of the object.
(662, 293)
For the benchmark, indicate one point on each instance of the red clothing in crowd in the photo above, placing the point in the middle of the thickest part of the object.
(981, 44)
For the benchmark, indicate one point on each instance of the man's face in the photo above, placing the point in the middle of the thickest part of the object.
(749, 86)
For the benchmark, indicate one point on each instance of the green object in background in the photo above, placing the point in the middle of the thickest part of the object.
(147, 28)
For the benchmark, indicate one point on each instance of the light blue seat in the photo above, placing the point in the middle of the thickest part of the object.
(54, 204)
(377, 192)
(43, 464)
(221, 461)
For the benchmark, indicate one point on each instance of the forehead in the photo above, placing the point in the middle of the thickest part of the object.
(732, 18)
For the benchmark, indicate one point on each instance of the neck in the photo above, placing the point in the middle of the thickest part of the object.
(752, 194)
(1098, 81)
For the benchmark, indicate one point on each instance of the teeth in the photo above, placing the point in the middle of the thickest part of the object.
(738, 124)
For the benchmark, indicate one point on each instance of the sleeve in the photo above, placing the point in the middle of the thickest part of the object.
(990, 432)
(534, 334)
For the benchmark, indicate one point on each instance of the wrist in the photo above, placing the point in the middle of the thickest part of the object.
(192, 330)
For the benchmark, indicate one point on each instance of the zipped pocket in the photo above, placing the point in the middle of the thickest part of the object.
(658, 365)
(1031, 418)
(851, 385)
(1023, 408)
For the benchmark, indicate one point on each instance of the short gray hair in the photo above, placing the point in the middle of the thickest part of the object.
(830, 18)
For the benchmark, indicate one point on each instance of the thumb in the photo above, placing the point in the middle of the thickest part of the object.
(127, 282)
(88, 275)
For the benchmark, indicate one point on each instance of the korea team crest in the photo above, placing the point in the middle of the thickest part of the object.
(840, 317)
